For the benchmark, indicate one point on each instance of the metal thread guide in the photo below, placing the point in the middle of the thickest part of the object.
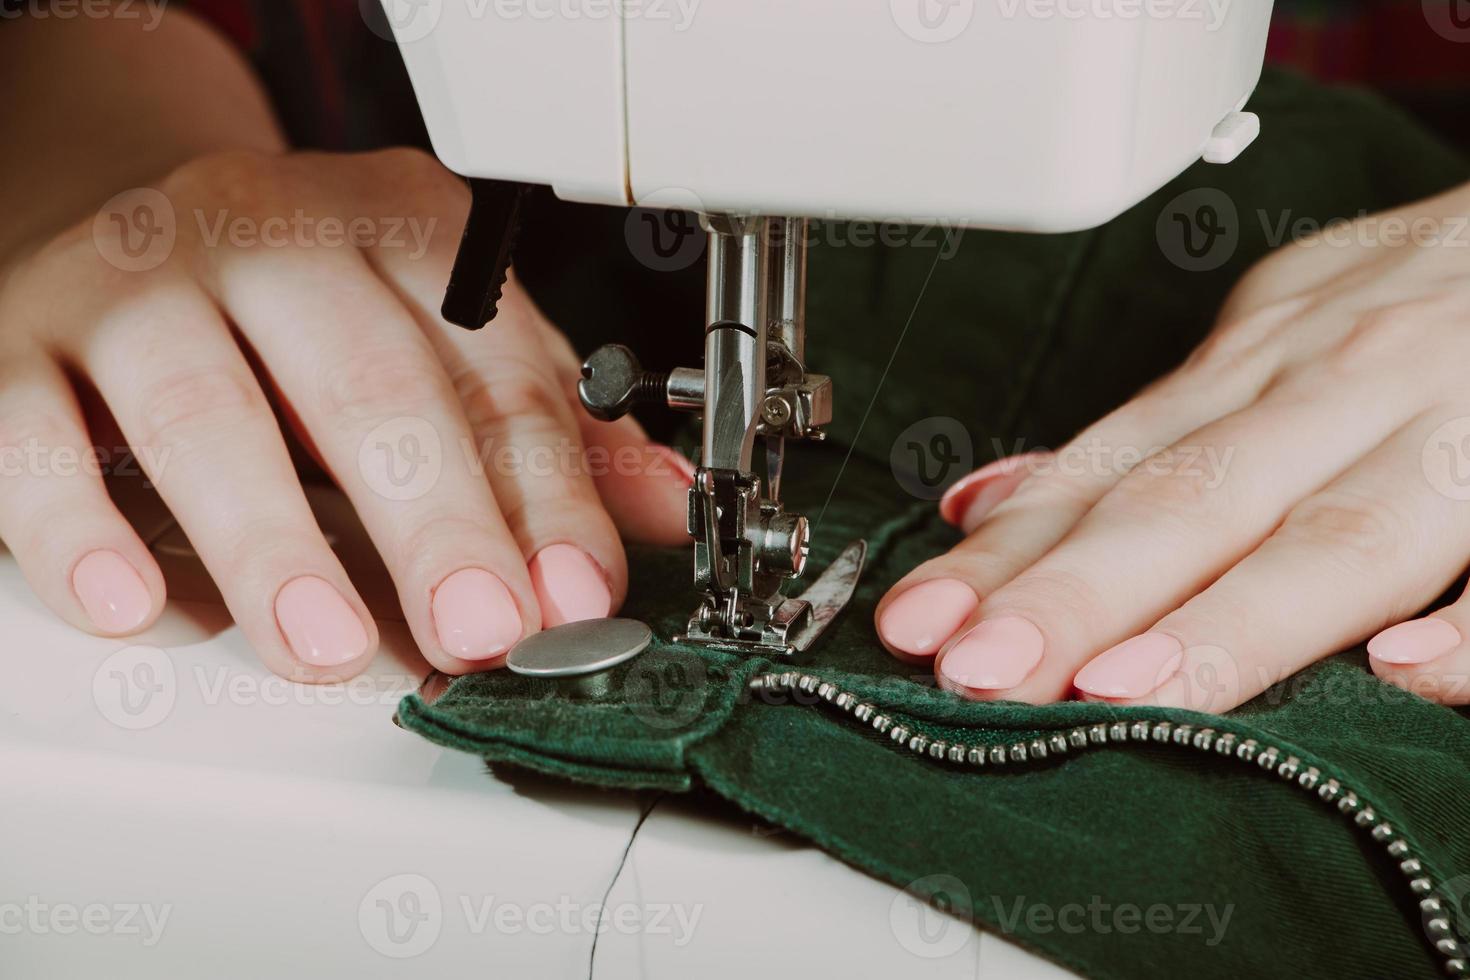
(754, 386)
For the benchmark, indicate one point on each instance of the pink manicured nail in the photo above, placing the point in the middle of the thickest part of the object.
(1416, 642)
(111, 591)
(475, 615)
(995, 655)
(1131, 669)
(319, 625)
(569, 585)
(919, 621)
(676, 461)
(967, 502)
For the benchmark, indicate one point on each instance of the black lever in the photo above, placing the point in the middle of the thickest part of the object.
(485, 251)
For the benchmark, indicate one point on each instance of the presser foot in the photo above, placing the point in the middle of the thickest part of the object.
(746, 547)
(714, 625)
(793, 625)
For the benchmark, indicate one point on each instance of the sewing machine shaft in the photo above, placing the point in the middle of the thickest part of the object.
(754, 386)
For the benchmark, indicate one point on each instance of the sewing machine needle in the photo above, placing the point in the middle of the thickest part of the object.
(775, 456)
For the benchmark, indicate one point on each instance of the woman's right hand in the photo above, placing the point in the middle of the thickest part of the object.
(316, 278)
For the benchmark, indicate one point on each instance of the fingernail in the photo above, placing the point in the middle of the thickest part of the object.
(475, 615)
(967, 502)
(569, 585)
(111, 591)
(920, 620)
(995, 655)
(677, 461)
(1416, 642)
(1131, 669)
(319, 625)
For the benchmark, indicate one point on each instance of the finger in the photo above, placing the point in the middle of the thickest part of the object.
(1312, 267)
(536, 462)
(1367, 549)
(1014, 512)
(524, 433)
(972, 498)
(368, 388)
(1427, 656)
(643, 486)
(75, 549)
(1165, 532)
(189, 405)
(914, 622)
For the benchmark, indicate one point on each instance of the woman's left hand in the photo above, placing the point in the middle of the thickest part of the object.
(1300, 483)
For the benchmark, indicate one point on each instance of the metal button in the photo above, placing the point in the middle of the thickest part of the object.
(578, 656)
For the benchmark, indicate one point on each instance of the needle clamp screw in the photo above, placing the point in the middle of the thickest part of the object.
(613, 382)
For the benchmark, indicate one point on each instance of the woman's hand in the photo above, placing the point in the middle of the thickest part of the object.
(1300, 483)
(316, 279)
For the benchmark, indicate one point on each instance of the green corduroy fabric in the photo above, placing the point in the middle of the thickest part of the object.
(1025, 339)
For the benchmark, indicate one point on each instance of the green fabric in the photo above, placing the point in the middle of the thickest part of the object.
(1028, 338)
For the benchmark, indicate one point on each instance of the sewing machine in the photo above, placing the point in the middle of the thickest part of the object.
(1028, 115)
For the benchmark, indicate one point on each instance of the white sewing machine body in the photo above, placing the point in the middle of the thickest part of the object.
(1031, 115)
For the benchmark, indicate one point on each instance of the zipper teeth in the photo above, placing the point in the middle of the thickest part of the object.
(1438, 930)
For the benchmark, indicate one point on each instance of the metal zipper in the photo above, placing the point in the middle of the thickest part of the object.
(1437, 927)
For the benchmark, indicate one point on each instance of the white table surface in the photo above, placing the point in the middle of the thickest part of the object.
(168, 808)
